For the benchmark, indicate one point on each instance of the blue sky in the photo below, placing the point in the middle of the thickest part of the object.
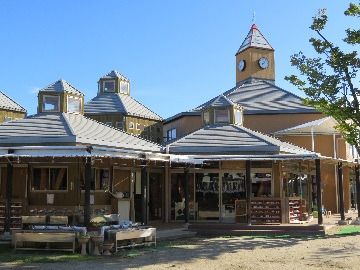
(177, 54)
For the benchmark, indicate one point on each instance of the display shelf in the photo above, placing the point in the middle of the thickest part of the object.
(265, 210)
(15, 218)
(295, 206)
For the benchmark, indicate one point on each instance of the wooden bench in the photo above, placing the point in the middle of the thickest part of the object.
(44, 237)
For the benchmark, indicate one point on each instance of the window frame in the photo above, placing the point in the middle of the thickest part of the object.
(170, 131)
(51, 96)
(131, 125)
(117, 125)
(76, 98)
(128, 87)
(49, 190)
(109, 81)
(221, 122)
(94, 173)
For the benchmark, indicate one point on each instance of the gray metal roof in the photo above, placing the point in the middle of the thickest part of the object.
(231, 139)
(68, 129)
(220, 101)
(7, 103)
(254, 39)
(114, 74)
(118, 103)
(263, 97)
(61, 86)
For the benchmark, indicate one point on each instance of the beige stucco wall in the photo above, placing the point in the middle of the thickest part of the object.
(183, 125)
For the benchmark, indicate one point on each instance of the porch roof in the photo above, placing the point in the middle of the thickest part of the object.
(324, 126)
(69, 129)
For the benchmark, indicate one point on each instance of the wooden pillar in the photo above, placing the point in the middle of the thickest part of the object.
(144, 202)
(357, 181)
(248, 190)
(318, 189)
(8, 192)
(187, 193)
(341, 190)
(88, 178)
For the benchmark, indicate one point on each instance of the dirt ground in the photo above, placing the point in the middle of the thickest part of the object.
(331, 252)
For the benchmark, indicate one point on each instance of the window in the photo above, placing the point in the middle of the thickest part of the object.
(131, 125)
(108, 124)
(171, 134)
(124, 87)
(222, 116)
(238, 117)
(49, 179)
(51, 104)
(206, 117)
(74, 104)
(139, 126)
(100, 180)
(120, 125)
(109, 86)
(261, 183)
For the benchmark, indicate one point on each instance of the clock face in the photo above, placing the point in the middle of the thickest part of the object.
(263, 62)
(241, 65)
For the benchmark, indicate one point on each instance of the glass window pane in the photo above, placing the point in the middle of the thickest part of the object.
(222, 116)
(261, 184)
(102, 179)
(238, 117)
(109, 86)
(58, 178)
(40, 179)
(74, 104)
(51, 103)
(124, 87)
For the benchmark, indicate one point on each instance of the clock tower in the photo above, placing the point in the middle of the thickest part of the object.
(255, 57)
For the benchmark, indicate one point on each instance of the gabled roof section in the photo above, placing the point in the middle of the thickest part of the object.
(119, 103)
(69, 129)
(324, 126)
(231, 140)
(264, 97)
(254, 39)
(7, 103)
(114, 74)
(221, 101)
(62, 86)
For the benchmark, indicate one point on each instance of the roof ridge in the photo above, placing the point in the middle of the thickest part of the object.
(24, 110)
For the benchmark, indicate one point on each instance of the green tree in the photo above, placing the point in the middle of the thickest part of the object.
(330, 79)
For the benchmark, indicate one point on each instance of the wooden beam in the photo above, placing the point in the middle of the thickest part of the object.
(248, 189)
(341, 190)
(8, 192)
(318, 190)
(187, 193)
(88, 178)
(357, 181)
(144, 200)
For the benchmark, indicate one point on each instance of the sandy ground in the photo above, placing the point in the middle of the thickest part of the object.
(332, 252)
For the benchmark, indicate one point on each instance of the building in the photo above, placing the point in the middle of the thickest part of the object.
(9, 109)
(115, 107)
(62, 163)
(259, 105)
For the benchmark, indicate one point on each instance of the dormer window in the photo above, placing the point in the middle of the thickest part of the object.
(238, 117)
(109, 86)
(51, 104)
(206, 117)
(124, 87)
(222, 116)
(74, 104)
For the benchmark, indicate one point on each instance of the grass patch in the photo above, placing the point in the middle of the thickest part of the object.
(348, 230)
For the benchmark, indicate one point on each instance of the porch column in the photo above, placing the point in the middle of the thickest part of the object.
(88, 176)
(357, 181)
(8, 192)
(318, 190)
(248, 190)
(187, 193)
(341, 191)
(144, 202)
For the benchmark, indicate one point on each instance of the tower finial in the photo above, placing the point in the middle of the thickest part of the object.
(253, 17)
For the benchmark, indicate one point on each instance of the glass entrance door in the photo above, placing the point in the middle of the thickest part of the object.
(207, 196)
(233, 198)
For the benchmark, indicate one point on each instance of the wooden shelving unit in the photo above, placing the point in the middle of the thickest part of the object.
(296, 208)
(16, 212)
(265, 211)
